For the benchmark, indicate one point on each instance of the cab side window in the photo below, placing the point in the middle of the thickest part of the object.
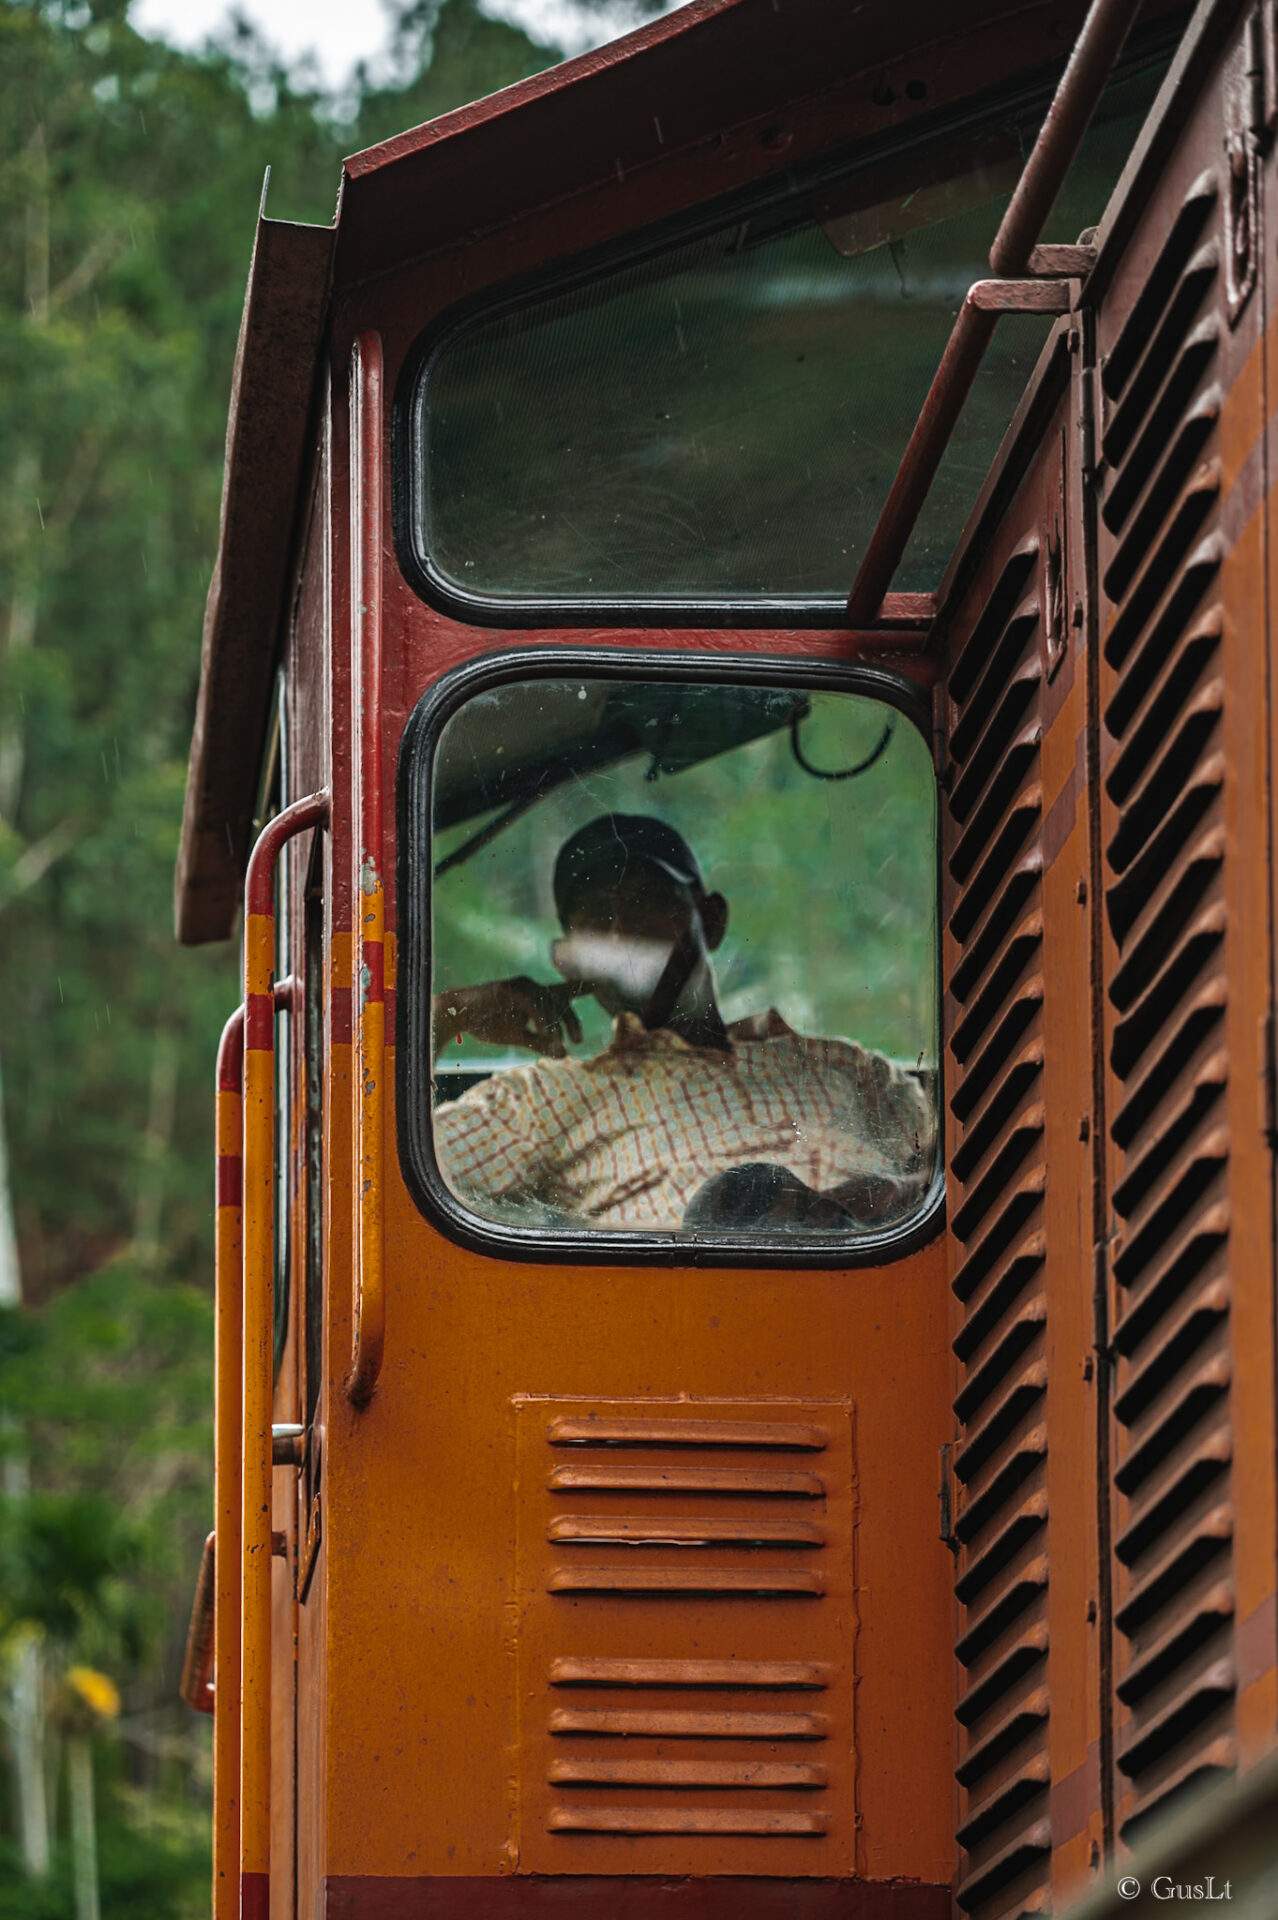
(682, 961)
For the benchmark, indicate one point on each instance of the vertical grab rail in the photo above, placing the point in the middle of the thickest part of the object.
(258, 1343)
(228, 1339)
(1097, 48)
(368, 1306)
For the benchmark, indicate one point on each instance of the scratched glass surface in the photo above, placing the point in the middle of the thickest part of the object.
(722, 421)
(684, 959)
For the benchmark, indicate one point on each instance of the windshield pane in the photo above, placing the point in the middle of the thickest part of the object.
(722, 421)
(684, 959)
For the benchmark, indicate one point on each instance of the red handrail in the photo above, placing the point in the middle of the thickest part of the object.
(1098, 46)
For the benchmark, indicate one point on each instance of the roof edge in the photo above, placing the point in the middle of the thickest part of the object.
(281, 332)
(537, 86)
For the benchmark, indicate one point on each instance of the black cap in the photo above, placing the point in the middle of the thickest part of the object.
(600, 853)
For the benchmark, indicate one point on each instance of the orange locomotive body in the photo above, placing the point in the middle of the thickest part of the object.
(565, 1568)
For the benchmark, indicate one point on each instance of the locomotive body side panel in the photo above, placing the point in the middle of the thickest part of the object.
(1018, 1015)
(1187, 957)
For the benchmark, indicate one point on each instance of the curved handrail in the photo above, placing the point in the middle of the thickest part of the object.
(258, 1346)
(368, 1306)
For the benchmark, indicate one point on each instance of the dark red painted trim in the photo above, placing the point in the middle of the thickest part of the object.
(230, 1054)
(259, 1024)
(255, 1896)
(230, 1180)
(367, 454)
(632, 1897)
(259, 887)
(339, 1013)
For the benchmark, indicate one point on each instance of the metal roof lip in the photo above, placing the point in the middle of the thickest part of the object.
(535, 87)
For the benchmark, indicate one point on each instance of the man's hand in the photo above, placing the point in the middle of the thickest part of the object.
(510, 1013)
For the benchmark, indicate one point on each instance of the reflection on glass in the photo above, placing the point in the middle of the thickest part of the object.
(684, 959)
(723, 420)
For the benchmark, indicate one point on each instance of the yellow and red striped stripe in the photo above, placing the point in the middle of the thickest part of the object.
(228, 1338)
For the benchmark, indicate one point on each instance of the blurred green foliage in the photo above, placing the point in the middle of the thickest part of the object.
(131, 179)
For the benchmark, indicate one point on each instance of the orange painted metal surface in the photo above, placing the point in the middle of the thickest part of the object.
(435, 1457)
(755, 1579)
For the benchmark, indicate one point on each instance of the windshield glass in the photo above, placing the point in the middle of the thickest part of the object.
(684, 959)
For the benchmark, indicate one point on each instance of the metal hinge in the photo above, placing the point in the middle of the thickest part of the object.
(946, 1497)
(1087, 382)
(940, 738)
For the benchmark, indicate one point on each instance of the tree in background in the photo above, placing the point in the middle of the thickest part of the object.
(131, 176)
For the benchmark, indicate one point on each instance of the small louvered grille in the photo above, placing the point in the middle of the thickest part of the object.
(686, 1634)
(997, 1178)
(1165, 848)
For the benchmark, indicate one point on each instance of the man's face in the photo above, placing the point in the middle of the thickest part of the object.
(619, 935)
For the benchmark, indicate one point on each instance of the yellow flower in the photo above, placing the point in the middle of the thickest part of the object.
(96, 1690)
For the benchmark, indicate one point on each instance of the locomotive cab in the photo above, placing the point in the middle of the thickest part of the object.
(735, 1150)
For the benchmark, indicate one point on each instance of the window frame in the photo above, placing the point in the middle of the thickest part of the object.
(414, 895)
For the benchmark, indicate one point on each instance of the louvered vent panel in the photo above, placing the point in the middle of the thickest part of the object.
(997, 1175)
(1165, 850)
(685, 1575)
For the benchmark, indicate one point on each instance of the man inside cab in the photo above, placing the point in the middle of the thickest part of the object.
(744, 1127)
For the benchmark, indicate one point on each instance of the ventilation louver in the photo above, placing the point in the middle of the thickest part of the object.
(997, 1175)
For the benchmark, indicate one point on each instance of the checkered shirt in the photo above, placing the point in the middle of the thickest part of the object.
(627, 1138)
